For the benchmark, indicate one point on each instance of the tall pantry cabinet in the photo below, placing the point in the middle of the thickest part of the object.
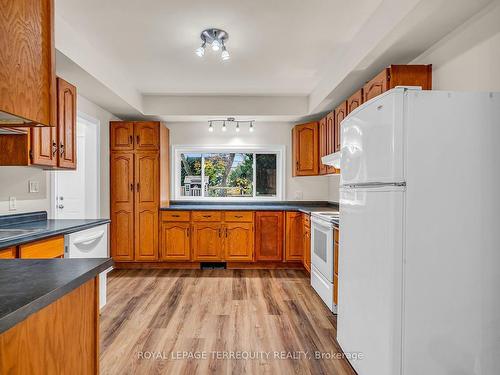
(138, 161)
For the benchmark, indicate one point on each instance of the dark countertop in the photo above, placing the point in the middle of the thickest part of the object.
(41, 227)
(28, 285)
(305, 206)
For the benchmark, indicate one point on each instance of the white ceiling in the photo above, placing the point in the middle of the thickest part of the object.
(290, 59)
(278, 47)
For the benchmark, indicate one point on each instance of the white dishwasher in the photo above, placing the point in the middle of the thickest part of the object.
(90, 243)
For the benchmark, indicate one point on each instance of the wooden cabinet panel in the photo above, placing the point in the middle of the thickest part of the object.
(147, 182)
(207, 216)
(269, 235)
(66, 124)
(238, 242)
(175, 215)
(44, 147)
(330, 138)
(354, 101)
(15, 148)
(122, 180)
(294, 229)
(175, 244)
(8, 253)
(27, 60)
(147, 135)
(122, 235)
(146, 233)
(206, 241)
(238, 216)
(335, 289)
(305, 149)
(336, 255)
(340, 114)
(43, 249)
(121, 135)
(323, 144)
(307, 247)
(376, 86)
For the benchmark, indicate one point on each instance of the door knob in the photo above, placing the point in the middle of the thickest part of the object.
(61, 206)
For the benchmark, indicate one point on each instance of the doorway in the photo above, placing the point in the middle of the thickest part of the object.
(75, 193)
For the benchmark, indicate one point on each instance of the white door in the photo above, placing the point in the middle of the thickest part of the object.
(76, 191)
(372, 142)
(370, 278)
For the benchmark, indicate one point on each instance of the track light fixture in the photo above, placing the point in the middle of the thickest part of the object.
(229, 121)
(216, 38)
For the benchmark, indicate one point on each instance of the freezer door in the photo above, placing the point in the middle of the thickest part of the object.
(370, 278)
(372, 142)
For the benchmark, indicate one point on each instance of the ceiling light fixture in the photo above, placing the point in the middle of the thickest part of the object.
(224, 128)
(237, 127)
(210, 127)
(229, 121)
(216, 39)
(251, 129)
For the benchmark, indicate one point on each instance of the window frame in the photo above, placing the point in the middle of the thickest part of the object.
(279, 150)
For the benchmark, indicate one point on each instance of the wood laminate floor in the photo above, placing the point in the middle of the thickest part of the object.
(217, 322)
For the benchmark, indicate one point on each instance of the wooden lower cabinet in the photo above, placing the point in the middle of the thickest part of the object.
(207, 242)
(146, 233)
(43, 249)
(269, 236)
(307, 242)
(122, 235)
(175, 241)
(294, 239)
(8, 253)
(238, 242)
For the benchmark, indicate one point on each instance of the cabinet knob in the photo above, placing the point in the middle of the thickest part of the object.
(61, 149)
(131, 139)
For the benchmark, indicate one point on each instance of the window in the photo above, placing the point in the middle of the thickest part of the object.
(227, 174)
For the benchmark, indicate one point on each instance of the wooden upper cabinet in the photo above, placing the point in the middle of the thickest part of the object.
(44, 146)
(340, 114)
(121, 136)
(238, 242)
(206, 241)
(269, 236)
(398, 75)
(27, 61)
(305, 154)
(354, 101)
(147, 136)
(175, 241)
(294, 229)
(330, 138)
(147, 182)
(323, 144)
(66, 124)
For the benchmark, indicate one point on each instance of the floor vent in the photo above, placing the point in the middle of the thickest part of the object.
(213, 265)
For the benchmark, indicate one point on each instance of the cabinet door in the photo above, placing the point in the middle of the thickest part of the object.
(122, 205)
(376, 86)
(8, 253)
(340, 114)
(175, 244)
(330, 138)
(307, 247)
(147, 197)
(305, 149)
(121, 135)
(238, 242)
(146, 233)
(43, 249)
(66, 124)
(122, 234)
(27, 60)
(323, 144)
(269, 236)
(294, 246)
(44, 146)
(355, 101)
(207, 241)
(147, 136)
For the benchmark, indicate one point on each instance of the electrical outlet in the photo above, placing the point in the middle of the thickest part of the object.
(34, 187)
(12, 204)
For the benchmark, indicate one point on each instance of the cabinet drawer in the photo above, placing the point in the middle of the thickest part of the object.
(175, 216)
(207, 216)
(8, 253)
(238, 216)
(49, 248)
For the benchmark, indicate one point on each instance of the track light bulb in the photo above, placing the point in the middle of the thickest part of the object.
(200, 51)
(215, 45)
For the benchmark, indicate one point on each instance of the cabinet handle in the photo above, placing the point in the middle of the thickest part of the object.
(54, 148)
(131, 139)
(207, 216)
(137, 138)
(131, 187)
(176, 215)
(61, 151)
(238, 216)
(297, 165)
(188, 231)
(220, 232)
(225, 231)
(137, 186)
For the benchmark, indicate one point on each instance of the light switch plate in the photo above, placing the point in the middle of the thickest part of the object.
(34, 187)
(299, 195)
(12, 204)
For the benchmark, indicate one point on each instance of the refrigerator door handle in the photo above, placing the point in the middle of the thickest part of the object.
(374, 184)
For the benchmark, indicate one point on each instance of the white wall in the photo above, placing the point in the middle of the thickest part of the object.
(468, 59)
(90, 109)
(276, 133)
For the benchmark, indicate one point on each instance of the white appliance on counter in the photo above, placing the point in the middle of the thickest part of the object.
(322, 259)
(90, 243)
(419, 267)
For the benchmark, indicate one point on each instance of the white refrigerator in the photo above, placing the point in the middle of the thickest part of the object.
(419, 263)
